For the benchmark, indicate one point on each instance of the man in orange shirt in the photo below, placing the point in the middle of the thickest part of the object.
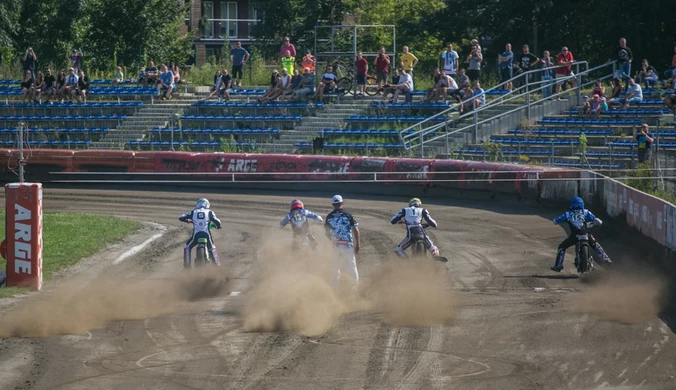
(309, 61)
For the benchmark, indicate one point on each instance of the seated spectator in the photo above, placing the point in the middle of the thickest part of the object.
(275, 88)
(151, 75)
(177, 73)
(603, 107)
(295, 80)
(118, 78)
(389, 89)
(166, 83)
(218, 81)
(447, 87)
(38, 86)
(599, 89)
(647, 75)
(306, 86)
(670, 102)
(226, 86)
(617, 90)
(586, 106)
(478, 91)
(285, 77)
(50, 85)
(432, 90)
(634, 94)
(141, 76)
(595, 106)
(82, 86)
(60, 84)
(469, 103)
(327, 84)
(70, 86)
(463, 79)
(405, 85)
(671, 73)
(27, 85)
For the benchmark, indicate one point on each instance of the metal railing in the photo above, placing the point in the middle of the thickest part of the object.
(526, 91)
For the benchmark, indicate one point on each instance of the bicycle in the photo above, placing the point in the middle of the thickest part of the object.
(347, 82)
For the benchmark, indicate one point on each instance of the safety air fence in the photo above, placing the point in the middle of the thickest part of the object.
(652, 216)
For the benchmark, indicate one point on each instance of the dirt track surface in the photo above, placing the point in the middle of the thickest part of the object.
(494, 317)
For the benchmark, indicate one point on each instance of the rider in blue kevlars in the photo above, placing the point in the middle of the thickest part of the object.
(413, 216)
(576, 217)
(298, 217)
(201, 218)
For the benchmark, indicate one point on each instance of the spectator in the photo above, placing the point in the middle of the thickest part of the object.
(602, 108)
(226, 86)
(285, 78)
(634, 94)
(38, 86)
(671, 72)
(474, 59)
(238, 56)
(177, 73)
(307, 85)
(60, 84)
(647, 74)
(644, 142)
(76, 60)
(362, 69)
(565, 70)
(617, 90)
(82, 86)
(670, 102)
(478, 91)
(408, 61)
(594, 111)
(309, 61)
(29, 60)
(463, 79)
(446, 87)
(295, 80)
(287, 45)
(328, 83)
(26, 85)
(449, 61)
(505, 63)
(151, 74)
(469, 103)
(118, 78)
(71, 84)
(586, 106)
(527, 59)
(390, 88)
(547, 62)
(275, 89)
(431, 92)
(623, 55)
(405, 85)
(141, 76)
(50, 85)
(166, 83)
(288, 62)
(599, 89)
(215, 89)
(382, 63)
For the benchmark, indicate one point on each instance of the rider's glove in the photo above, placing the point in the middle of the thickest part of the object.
(597, 222)
(554, 221)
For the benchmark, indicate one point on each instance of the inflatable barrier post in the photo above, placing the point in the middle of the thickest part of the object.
(23, 230)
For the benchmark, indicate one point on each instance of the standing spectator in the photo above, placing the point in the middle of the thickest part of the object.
(118, 78)
(599, 89)
(644, 142)
(449, 61)
(306, 86)
(405, 85)
(309, 61)
(478, 91)
(624, 56)
(26, 85)
(634, 94)
(547, 62)
(327, 84)
(71, 84)
(50, 85)
(362, 68)
(238, 56)
(288, 62)
(82, 86)
(407, 61)
(382, 63)
(474, 59)
(671, 72)
(166, 83)
(287, 45)
(431, 92)
(565, 70)
(505, 63)
(76, 60)
(151, 74)
(527, 59)
(647, 75)
(29, 60)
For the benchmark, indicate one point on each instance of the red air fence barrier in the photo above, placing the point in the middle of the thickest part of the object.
(23, 231)
(103, 161)
(172, 162)
(360, 166)
(144, 162)
(43, 161)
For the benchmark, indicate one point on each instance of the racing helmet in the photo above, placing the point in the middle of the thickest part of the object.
(296, 204)
(203, 203)
(415, 202)
(577, 203)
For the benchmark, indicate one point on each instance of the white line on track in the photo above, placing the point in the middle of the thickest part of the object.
(136, 249)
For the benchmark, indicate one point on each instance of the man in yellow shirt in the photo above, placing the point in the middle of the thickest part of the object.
(288, 62)
(408, 61)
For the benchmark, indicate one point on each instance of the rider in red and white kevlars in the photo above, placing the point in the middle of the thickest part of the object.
(413, 216)
(201, 218)
(298, 217)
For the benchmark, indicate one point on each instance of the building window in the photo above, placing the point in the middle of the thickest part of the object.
(253, 14)
(228, 12)
(207, 16)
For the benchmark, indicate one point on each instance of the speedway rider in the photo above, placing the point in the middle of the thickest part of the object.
(298, 216)
(413, 216)
(201, 218)
(340, 226)
(577, 216)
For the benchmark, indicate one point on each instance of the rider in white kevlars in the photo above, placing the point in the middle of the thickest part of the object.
(298, 217)
(343, 231)
(413, 215)
(201, 218)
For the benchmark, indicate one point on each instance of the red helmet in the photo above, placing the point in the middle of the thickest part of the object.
(296, 204)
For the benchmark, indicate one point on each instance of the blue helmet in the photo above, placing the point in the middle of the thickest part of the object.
(577, 203)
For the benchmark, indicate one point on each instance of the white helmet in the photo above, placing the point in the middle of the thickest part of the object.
(203, 203)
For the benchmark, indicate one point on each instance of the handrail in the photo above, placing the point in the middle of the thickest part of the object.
(494, 101)
(528, 103)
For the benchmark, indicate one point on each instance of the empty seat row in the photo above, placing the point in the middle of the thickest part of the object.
(630, 142)
(218, 131)
(593, 165)
(244, 117)
(642, 103)
(652, 92)
(59, 117)
(370, 132)
(581, 121)
(186, 143)
(72, 105)
(410, 105)
(521, 141)
(546, 131)
(608, 154)
(360, 118)
(628, 112)
(255, 105)
(344, 145)
(59, 130)
(524, 152)
(47, 142)
(9, 82)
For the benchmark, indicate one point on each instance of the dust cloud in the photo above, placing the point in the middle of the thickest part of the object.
(622, 299)
(82, 304)
(294, 293)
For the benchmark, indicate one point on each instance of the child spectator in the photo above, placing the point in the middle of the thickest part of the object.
(118, 78)
(586, 106)
(596, 107)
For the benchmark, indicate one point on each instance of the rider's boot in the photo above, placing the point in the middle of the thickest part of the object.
(214, 255)
(434, 250)
(186, 257)
(400, 252)
(601, 253)
(558, 266)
